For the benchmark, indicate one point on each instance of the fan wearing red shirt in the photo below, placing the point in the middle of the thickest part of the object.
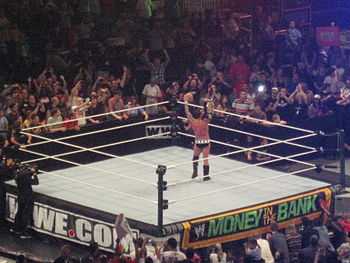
(239, 73)
(199, 122)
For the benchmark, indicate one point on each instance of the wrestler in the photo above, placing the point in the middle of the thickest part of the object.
(199, 120)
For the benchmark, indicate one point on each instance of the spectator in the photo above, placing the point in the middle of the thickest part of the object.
(316, 108)
(116, 103)
(171, 253)
(65, 256)
(266, 253)
(152, 94)
(157, 68)
(344, 252)
(135, 113)
(243, 105)
(294, 243)
(4, 125)
(294, 36)
(56, 117)
(252, 251)
(218, 255)
(93, 254)
(312, 253)
(279, 245)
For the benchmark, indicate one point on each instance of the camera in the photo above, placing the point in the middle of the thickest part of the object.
(24, 170)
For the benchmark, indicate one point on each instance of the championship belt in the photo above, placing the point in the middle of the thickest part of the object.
(210, 106)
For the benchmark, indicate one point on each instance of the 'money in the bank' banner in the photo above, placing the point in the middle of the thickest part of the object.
(251, 221)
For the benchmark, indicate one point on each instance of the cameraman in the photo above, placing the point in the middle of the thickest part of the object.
(7, 172)
(25, 176)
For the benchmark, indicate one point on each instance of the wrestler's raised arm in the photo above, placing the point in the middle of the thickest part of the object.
(188, 97)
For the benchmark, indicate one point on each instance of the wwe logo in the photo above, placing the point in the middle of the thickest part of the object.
(199, 231)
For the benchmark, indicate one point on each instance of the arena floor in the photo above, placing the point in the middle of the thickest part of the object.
(109, 191)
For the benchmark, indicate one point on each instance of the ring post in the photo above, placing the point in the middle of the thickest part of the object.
(341, 148)
(162, 186)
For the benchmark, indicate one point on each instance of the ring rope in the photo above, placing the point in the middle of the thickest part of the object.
(240, 185)
(256, 135)
(97, 115)
(96, 186)
(251, 118)
(225, 173)
(89, 166)
(101, 146)
(238, 151)
(89, 150)
(100, 131)
(254, 149)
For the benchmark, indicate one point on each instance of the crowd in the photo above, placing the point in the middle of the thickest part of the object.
(93, 64)
(307, 243)
(60, 62)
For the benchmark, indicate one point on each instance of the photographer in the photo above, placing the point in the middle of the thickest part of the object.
(7, 172)
(25, 176)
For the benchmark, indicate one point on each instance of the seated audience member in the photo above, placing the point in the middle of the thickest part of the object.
(134, 113)
(56, 117)
(116, 103)
(95, 108)
(79, 111)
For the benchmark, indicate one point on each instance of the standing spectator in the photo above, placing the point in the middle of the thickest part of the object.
(65, 256)
(344, 252)
(243, 105)
(294, 36)
(279, 245)
(219, 81)
(171, 252)
(157, 67)
(316, 108)
(95, 108)
(218, 255)
(79, 111)
(152, 94)
(294, 243)
(4, 125)
(312, 253)
(265, 250)
(239, 72)
(252, 251)
(93, 254)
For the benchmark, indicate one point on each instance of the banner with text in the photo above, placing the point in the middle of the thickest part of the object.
(67, 225)
(243, 223)
(158, 131)
(328, 36)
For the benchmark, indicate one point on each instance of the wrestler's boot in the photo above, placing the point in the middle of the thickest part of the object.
(195, 167)
(206, 176)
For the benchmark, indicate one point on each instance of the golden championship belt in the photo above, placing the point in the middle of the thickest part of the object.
(210, 106)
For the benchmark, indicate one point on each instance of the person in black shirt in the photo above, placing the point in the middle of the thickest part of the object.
(7, 169)
(25, 177)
